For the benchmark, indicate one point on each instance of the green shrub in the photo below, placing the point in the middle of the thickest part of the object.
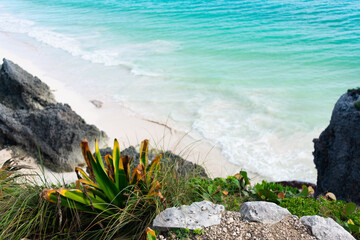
(226, 191)
(341, 211)
(275, 192)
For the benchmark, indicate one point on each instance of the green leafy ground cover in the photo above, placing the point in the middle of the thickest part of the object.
(25, 213)
(232, 191)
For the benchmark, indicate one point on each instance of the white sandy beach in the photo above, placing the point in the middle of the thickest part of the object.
(117, 121)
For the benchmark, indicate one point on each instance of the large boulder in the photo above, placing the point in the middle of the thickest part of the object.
(29, 119)
(325, 228)
(197, 215)
(337, 150)
(20, 90)
(264, 212)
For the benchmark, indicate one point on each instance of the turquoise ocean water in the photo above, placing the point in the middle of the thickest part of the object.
(257, 78)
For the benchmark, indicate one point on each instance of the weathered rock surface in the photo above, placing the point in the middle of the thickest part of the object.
(337, 151)
(182, 166)
(20, 90)
(28, 118)
(326, 228)
(264, 212)
(197, 215)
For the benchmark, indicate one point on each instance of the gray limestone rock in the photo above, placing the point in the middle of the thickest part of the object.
(326, 228)
(264, 212)
(20, 90)
(55, 130)
(30, 119)
(197, 215)
(337, 150)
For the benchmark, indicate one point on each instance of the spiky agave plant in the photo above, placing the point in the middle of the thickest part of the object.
(107, 187)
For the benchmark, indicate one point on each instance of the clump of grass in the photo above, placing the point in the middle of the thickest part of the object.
(24, 214)
(357, 105)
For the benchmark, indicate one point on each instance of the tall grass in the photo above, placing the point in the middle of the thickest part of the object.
(25, 214)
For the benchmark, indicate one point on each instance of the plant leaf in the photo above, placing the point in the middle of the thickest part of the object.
(83, 174)
(150, 234)
(117, 163)
(78, 196)
(155, 165)
(143, 152)
(110, 167)
(126, 163)
(90, 183)
(245, 177)
(281, 195)
(104, 181)
(354, 228)
(53, 195)
(304, 191)
(349, 208)
(85, 149)
(98, 154)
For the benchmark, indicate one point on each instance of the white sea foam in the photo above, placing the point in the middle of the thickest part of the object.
(254, 140)
(125, 55)
(9, 23)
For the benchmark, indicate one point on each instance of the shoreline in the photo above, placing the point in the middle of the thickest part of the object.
(127, 126)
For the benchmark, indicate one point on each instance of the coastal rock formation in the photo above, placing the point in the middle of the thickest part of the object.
(197, 215)
(326, 228)
(264, 212)
(29, 118)
(20, 90)
(337, 150)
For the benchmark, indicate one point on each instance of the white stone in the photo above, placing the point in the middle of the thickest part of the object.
(197, 215)
(326, 228)
(264, 212)
(97, 103)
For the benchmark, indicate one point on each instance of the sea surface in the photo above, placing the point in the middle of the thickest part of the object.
(257, 78)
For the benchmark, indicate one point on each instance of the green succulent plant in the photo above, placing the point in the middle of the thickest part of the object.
(107, 186)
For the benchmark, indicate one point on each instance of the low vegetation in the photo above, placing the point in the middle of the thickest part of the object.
(117, 199)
